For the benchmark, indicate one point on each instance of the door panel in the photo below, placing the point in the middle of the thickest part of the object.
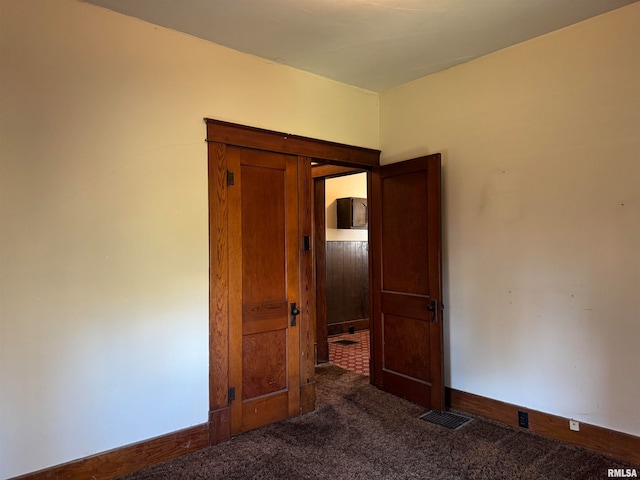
(263, 282)
(268, 375)
(404, 242)
(263, 411)
(263, 234)
(407, 280)
(404, 342)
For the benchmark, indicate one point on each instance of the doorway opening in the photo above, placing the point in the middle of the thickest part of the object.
(342, 268)
(238, 379)
(405, 304)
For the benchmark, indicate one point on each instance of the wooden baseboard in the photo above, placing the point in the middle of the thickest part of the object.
(130, 458)
(618, 444)
(127, 459)
(340, 328)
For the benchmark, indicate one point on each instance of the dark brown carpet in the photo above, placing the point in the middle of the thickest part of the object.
(359, 432)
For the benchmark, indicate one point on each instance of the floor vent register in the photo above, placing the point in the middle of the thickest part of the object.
(445, 419)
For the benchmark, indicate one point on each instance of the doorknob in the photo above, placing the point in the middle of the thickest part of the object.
(295, 311)
(433, 307)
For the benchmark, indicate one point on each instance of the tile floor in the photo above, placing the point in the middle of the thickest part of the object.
(353, 357)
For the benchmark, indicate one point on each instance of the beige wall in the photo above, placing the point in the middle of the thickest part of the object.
(342, 187)
(103, 217)
(541, 173)
(103, 247)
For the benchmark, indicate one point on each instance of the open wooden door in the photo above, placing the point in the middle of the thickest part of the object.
(263, 287)
(406, 246)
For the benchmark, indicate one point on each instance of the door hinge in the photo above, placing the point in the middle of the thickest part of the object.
(231, 394)
(230, 178)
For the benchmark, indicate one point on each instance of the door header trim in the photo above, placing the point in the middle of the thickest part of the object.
(261, 139)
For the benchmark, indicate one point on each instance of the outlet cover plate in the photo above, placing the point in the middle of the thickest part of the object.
(574, 425)
(523, 419)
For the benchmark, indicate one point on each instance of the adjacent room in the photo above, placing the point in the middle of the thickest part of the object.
(346, 274)
(104, 209)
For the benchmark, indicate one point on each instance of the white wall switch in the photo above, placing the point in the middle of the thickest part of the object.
(574, 425)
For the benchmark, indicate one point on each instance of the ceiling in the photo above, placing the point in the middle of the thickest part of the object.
(373, 44)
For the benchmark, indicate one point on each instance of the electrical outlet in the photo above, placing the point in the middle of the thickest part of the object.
(574, 425)
(523, 419)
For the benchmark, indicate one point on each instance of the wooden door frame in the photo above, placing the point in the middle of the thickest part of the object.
(219, 135)
(320, 272)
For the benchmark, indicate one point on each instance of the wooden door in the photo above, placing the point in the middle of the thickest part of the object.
(262, 398)
(264, 361)
(407, 281)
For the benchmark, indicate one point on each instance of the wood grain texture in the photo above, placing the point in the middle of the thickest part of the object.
(263, 233)
(234, 319)
(436, 338)
(240, 135)
(264, 279)
(332, 171)
(265, 317)
(307, 324)
(405, 223)
(347, 281)
(225, 142)
(409, 305)
(406, 347)
(408, 388)
(264, 411)
(320, 274)
(375, 280)
(219, 430)
(218, 278)
(596, 438)
(264, 363)
(307, 398)
(127, 459)
(294, 273)
(405, 241)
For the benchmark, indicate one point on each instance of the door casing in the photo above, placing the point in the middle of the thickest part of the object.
(219, 136)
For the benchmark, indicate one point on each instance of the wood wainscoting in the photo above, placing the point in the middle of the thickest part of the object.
(611, 442)
(347, 290)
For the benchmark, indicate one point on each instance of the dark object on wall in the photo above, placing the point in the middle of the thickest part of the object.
(347, 286)
(352, 212)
